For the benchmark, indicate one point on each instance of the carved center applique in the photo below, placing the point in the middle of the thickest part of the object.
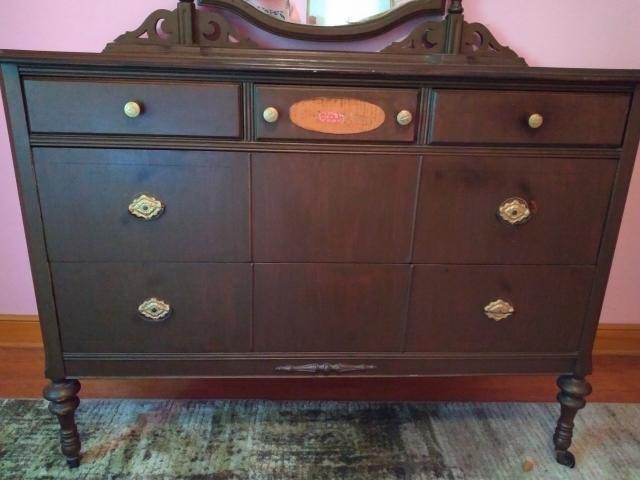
(337, 116)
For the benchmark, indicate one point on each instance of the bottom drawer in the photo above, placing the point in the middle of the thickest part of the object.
(468, 308)
(99, 307)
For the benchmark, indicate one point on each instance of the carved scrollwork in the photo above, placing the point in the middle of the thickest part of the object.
(453, 40)
(200, 30)
(160, 28)
(426, 38)
(478, 40)
(214, 31)
(184, 28)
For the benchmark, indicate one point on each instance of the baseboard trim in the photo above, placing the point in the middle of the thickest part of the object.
(611, 339)
(618, 339)
(20, 331)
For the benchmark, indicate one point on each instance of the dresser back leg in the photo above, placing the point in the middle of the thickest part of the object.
(63, 402)
(573, 391)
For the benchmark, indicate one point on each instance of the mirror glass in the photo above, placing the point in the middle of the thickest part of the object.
(326, 12)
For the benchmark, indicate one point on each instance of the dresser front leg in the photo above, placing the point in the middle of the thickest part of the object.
(63, 401)
(571, 397)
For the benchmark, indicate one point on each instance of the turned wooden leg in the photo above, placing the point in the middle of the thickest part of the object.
(63, 401)
(571, 398)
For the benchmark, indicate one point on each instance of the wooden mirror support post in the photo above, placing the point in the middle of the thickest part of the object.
(435, 207)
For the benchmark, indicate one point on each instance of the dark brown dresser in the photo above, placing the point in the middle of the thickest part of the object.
(199, 206)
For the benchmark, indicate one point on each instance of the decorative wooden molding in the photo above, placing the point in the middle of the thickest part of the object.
(199, 31)
(458, 40)
(357, 31)
(324, 368)
(611, 339)
(182, 30)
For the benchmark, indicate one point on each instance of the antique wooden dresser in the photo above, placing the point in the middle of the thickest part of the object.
(197, 205)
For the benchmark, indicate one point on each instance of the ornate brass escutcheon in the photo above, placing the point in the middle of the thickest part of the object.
(514, 210)
(146, 207)
(154, 309)
(499, 310)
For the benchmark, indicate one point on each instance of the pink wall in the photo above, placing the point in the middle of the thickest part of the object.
(545, 32)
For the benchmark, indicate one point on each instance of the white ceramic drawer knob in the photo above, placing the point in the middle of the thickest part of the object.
(536, 120)
(132, 109)
(405, 117)
(271, 115)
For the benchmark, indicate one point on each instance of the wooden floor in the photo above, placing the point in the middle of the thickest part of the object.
(615, 379)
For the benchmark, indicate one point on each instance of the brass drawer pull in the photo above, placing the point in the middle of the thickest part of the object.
(271, 115)
(514, 210)
(325, 368)
(499, 310)
(404, 118)
(146, 207)
(154, 309)
(133, 109)
(536, 120)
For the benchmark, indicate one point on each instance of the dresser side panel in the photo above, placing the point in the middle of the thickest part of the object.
(611, 231)
(32, 218)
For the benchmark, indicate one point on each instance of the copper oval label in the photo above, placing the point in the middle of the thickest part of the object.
(338, 116)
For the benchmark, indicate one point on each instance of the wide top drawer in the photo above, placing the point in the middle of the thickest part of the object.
(338, 114)
(142, 108)
(521, 117)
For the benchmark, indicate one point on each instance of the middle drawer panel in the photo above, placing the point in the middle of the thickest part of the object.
(333, 207)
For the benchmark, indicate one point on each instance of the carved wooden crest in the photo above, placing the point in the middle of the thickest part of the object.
(196, 30)
(185, 27)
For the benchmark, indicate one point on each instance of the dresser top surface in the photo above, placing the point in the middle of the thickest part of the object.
(314, 62)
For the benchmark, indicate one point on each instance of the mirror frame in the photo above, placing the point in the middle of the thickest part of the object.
(369, 28)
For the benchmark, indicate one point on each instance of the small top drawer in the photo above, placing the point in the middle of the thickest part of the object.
(142, 108)
(339, 114)
(493, 117)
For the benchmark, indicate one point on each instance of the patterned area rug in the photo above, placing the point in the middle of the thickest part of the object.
(258, 440)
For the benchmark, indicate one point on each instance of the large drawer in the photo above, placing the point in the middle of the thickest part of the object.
(506, 210)
(329, 307)
(450, 308)
(165, 108)
(323, 207)
(338, 114)
(94, 201)
(500, 117)
(98, 307)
